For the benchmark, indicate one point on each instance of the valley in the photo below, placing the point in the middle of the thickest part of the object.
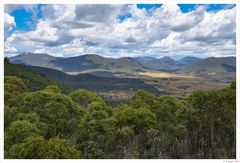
(117, 79)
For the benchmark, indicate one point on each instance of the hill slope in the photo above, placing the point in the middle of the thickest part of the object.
(211, 65)
(34, 59)
(32, 80)
(96, 83)
(93, 62)
(166, 64)
(189, 60)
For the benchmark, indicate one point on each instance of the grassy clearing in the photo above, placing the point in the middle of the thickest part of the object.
(164, 75)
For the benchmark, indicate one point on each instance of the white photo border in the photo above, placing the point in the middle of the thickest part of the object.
(3, 2)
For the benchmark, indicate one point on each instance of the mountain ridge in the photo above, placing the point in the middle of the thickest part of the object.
(94, 62)
(210, 66)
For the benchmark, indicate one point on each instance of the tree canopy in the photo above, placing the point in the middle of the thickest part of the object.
(47, 123)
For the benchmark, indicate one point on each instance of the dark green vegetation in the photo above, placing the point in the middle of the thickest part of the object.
(41, 121)
(95, 83)
(34, 81)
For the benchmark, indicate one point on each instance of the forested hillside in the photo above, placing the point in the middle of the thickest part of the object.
(47, 123)
(33, 81)
(95, 83)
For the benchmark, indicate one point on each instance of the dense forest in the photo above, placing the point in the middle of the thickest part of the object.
(42, 120)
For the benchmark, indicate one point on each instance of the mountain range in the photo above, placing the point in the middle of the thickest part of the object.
(94, 63)
(39, 77)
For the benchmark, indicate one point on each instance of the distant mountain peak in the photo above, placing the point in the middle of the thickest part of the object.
(144, 58)
(166, 57)
(167, 60)
(33, 59)
(190, 57)
(90, 55)
(189, 60)
(127, 58)
(39, 54)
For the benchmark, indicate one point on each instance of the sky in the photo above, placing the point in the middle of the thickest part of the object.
(127, 30)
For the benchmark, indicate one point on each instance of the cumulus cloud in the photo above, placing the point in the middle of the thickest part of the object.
(71, 30)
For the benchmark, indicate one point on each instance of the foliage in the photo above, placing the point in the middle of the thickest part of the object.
(46, 123)
(84, 98)
(36, 147)
(32, 80)
(96, 132)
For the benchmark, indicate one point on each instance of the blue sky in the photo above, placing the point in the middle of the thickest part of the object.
(24, 19)
(134, 22)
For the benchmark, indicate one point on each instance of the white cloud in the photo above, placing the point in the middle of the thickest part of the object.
(70, 30)
(9, 23)
(171, 41)
(74, 48)
(10, 50)
(171, 17)
(214, 27)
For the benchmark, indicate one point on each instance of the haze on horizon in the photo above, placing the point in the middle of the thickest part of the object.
(121, 30)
